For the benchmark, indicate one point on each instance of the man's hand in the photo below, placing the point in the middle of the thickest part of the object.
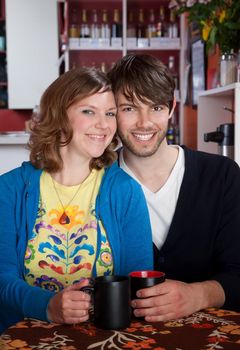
(70, 305)
(174, 299)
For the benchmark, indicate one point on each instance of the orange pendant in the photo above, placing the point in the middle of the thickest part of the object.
(64, 219)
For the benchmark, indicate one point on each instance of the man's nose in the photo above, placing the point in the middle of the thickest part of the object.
(143, 119)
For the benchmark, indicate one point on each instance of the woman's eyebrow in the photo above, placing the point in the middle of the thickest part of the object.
(126, 104)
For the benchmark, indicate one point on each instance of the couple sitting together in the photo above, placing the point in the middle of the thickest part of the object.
(79, 209)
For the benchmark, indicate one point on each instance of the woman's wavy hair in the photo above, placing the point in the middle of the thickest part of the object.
(50, 127)
(143, 77)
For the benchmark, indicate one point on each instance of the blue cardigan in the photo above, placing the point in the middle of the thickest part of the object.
(121, 207)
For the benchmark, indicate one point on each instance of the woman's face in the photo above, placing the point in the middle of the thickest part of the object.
(93, 120)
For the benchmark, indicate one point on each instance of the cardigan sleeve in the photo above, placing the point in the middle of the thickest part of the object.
(17, 298)
(228, 238)
(136, 228)
(204, 236)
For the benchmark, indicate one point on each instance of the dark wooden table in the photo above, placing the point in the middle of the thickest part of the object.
(209, 329)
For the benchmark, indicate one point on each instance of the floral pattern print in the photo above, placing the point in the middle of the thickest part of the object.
(210, 329)
(58, 255)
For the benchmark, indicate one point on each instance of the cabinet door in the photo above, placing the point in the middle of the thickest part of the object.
(32, 50)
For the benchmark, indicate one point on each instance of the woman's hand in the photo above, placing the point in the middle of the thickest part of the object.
(70, 305)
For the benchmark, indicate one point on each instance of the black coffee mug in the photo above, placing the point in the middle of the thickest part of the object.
(144, 279)
(111, 302)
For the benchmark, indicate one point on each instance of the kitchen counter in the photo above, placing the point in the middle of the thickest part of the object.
(14, 138)
(13, 149)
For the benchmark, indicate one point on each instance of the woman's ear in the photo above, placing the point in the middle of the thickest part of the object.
(173, 108)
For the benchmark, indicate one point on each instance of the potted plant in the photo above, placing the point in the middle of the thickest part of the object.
(218, 22)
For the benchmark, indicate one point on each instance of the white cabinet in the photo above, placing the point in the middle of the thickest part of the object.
(13, 150)
(32, 50)
(211, 114)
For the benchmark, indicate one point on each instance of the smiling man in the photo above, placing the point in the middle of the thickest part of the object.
(193, 198)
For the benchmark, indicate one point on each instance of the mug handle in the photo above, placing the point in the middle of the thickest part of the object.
(88, 290)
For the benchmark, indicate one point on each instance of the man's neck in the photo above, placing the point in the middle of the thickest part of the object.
(152, 171)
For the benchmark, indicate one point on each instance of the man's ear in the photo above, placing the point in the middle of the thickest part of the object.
(173, 108)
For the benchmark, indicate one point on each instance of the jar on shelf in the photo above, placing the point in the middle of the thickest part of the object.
(228, 68)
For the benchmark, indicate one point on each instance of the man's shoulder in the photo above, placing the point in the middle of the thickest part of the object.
(205, 157)
(208, 165)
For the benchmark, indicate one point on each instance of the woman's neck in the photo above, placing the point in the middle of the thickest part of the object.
(72, 175)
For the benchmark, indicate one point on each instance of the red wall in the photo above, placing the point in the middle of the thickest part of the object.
(13, 120)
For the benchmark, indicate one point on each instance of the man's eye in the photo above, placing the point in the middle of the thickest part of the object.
(157, 108)
(111, 114)
(127, 109)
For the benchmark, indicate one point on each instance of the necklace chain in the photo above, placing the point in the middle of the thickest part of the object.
(64, 219)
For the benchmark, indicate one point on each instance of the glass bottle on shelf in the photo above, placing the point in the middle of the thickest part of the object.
(228, 68)
(170, 134)
(175, 121)
(140, 26)
(131, 28)
(74, 30)
(85, 29)
(173, 25)
(173, 130)
(161, 25)
(151, 27)
(116, 28)
(173, 71)
(105, 28)
(95, 28)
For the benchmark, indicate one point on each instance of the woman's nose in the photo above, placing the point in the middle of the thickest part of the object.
(102, 122)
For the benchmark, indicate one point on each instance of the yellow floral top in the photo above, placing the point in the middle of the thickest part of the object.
(57, 254)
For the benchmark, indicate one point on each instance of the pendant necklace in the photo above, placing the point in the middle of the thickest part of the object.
(64, 218)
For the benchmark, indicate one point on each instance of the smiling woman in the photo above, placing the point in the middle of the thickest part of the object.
(74, 95)
(72, 211)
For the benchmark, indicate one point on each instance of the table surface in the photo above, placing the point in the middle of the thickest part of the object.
(210, 329)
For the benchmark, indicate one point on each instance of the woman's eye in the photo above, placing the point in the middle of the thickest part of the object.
(87, 111)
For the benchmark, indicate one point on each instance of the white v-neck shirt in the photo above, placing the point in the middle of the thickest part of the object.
(161, 204)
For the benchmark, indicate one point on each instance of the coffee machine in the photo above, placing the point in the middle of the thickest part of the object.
(224, 136)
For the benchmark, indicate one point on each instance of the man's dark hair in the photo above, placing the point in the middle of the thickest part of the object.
(143, 77)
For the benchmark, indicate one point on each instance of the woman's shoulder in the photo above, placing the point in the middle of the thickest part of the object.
(21, 174)
(117, 183)
(117, 175)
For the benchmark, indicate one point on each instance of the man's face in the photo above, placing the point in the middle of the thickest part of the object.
(141, 127)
